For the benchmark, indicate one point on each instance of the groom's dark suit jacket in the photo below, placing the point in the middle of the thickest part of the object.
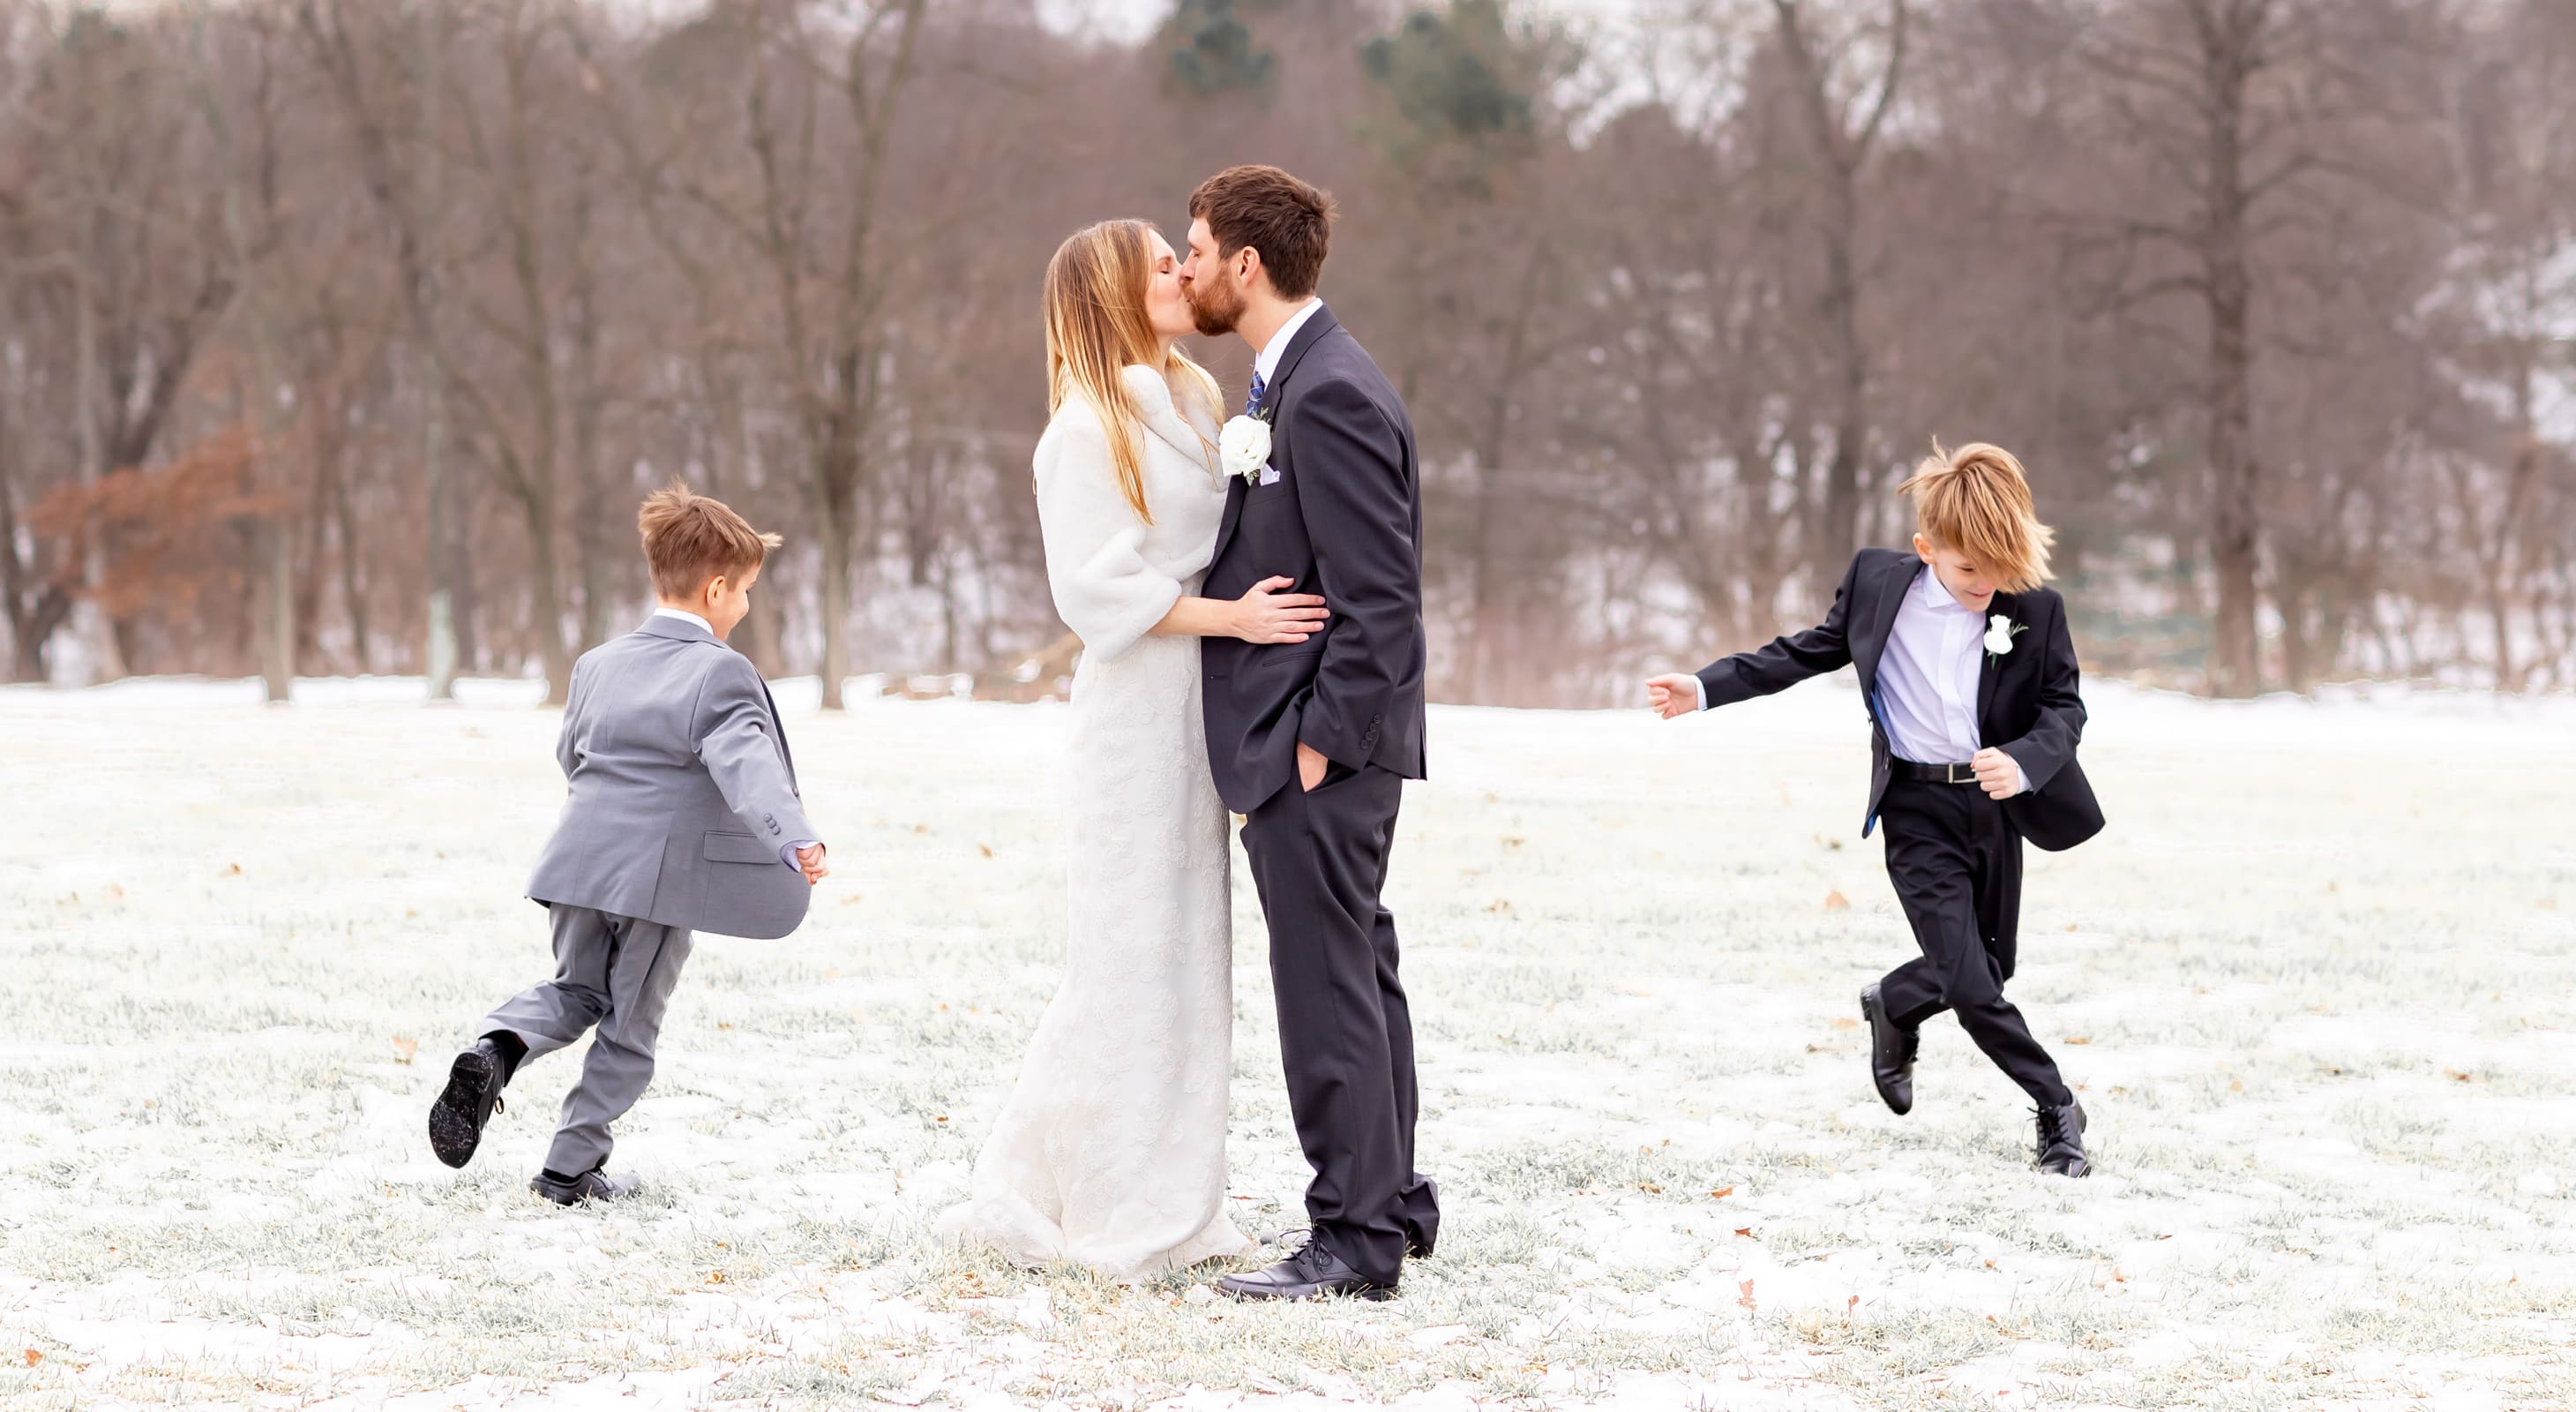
(2027, 702)
(1344, 519)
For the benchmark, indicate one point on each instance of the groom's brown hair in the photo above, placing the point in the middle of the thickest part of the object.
(1289, 221)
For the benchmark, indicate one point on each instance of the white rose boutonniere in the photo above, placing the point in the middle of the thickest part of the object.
(2000, 632)
(1243, 445)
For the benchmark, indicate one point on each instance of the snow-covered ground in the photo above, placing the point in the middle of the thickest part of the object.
(2314, 985)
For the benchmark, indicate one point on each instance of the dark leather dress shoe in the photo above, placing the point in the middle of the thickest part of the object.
(593, 1185)
(472, 1096)
(1892, 1048)
(2061, 1140)
(1312, 1273)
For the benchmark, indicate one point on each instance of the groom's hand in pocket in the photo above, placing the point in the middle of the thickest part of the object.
(1311, 765)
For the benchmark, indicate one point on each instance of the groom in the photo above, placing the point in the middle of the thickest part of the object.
(1313, 741)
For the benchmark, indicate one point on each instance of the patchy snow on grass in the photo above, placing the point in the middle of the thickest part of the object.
(2313, 986)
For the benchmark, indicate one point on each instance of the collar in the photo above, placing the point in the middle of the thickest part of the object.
(1265, 364)
(1936, 594)
(684, 615)
(1150, 394)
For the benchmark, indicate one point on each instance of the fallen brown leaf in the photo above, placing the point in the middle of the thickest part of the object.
(1721, 1193)
(1745, 1298)
(405, 1047)
(1835, 901)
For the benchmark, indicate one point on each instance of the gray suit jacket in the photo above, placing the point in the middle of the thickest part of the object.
(682, 792)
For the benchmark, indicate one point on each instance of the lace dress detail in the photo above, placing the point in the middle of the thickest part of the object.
(1111, 1150)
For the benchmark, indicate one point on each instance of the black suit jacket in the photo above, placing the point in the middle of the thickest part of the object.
(2028, 705)
(1344, 519)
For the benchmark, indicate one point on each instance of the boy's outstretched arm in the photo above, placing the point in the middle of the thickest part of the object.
(2052, 738)
(735, 744)
(1782, 663)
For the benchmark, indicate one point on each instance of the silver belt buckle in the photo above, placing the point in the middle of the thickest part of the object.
(1950, 773)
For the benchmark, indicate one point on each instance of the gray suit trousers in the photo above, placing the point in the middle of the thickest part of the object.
(613, 972)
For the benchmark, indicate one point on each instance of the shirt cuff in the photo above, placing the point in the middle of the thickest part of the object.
(1699, 689)
(787, 853)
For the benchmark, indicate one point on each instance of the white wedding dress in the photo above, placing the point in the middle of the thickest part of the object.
(1111, 1150)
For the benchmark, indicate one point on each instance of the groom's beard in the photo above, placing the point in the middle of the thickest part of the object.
(1216, 308)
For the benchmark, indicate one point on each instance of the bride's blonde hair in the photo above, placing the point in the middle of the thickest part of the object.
(1096, 327)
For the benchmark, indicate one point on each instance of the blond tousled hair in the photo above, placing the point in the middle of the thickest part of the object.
(689, 539)
(1976, 500)
(1097, 327)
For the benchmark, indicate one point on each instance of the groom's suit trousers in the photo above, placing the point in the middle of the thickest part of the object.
(1319, 858)
(1956, 863)
(615, 973)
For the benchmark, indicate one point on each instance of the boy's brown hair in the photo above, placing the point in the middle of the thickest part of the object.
(1975, 500)
(689, 539)
(1289, 221)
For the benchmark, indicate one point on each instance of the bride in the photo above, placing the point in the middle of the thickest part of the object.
(1111, 1151)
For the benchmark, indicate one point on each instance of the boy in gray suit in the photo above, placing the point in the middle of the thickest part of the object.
(681, 816)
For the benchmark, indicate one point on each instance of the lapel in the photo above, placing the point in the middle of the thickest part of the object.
(1318, 324)
(778, 728)
(1868, 648)
(1992, 669)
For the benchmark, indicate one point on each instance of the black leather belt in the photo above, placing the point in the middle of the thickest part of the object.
(1932, 774)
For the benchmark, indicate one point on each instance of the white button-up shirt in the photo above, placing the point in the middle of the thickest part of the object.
(1927, 678)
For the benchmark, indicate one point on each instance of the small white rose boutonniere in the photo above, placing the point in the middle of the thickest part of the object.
(1243, 445)
(2000, 632)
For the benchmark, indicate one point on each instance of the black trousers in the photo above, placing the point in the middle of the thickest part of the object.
(1345, 1034)
(1956, 864)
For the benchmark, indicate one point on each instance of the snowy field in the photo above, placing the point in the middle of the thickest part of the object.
(2314, 986)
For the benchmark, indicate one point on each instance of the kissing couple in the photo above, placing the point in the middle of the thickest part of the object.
(1249, 599)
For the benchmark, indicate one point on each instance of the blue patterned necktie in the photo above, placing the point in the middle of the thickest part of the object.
(1252, 396)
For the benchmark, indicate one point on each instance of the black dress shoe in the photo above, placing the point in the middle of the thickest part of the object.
(2061, 1140)
(1311, 1273)
(593, 1185)
(472, 1096)
(1892, 1048)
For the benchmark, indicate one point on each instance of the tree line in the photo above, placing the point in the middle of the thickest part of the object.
(340, 336)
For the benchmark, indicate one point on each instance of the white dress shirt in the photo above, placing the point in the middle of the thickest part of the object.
(1265, 364)
(786, 852)
(1927, 677)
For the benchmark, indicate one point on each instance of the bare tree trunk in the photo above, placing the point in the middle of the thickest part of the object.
(107, 655)
(2231, 35)
(1841, 149)
(275, 532)
(591, 497)
(441, 649)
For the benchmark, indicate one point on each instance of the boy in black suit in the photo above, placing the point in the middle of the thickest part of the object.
(1969, 677)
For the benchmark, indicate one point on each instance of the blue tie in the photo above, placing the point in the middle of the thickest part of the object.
(1252, 397)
